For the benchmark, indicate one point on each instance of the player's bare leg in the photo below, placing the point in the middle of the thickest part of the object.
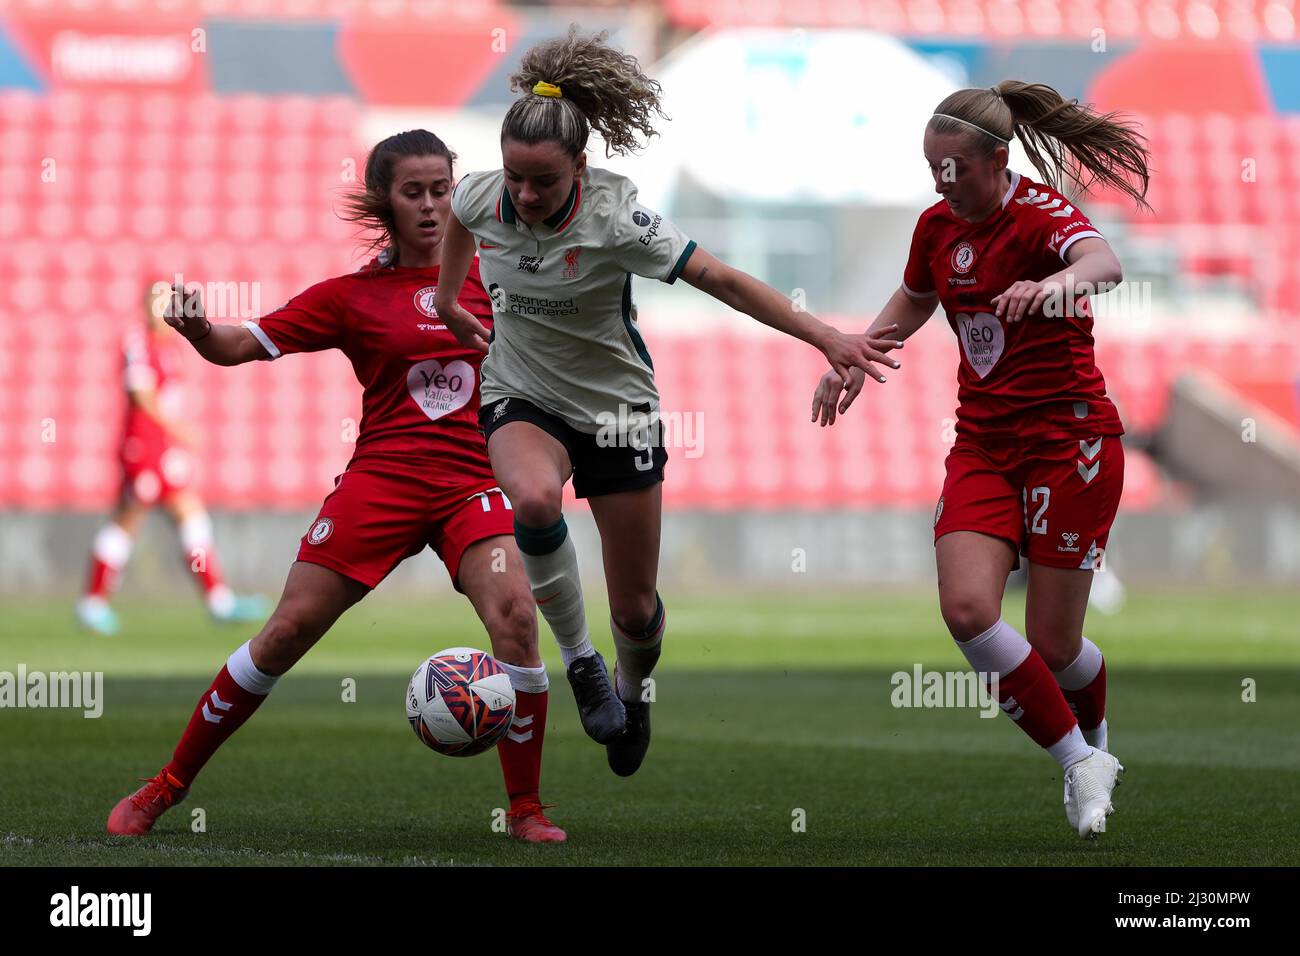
(312, 601)
(199, 552)
(492, 576)
(532, 467)
(1056, 602)
(108, 557)
(973, 570)
(629, 524)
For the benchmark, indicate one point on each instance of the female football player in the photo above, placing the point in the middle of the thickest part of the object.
(568, 384)
(419, 477)
(157, 469)
(1037, 466)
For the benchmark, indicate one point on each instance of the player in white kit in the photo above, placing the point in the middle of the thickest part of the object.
(568, 385)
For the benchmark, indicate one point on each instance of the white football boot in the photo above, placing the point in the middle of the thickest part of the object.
(1088, 785)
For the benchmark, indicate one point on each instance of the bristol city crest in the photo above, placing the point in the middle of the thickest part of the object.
(320, 531)
(424, 301)
(963, 257)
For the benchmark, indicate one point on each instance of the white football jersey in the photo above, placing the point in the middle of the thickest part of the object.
(564, 332)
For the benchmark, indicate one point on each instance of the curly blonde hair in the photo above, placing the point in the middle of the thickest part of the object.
(1062, 139)
(601, 88)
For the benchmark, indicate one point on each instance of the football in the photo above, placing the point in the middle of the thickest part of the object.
(460, 702)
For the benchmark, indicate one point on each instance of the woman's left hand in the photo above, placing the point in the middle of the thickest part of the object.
(1023, 298)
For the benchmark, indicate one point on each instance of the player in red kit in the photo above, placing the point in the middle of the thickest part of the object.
(419, 477)
(1037, 466)
(157, 469)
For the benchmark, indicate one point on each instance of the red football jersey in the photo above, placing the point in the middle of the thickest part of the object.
(420, 399)
(1032, 379)
(150, 363)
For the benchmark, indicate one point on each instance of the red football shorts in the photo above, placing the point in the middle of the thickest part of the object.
(1054, 501)
(152, 474)
(372, 521)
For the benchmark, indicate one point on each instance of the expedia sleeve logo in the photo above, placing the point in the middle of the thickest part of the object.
(647, 222)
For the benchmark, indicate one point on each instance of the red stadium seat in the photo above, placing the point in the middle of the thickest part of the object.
(1121, 19)
(249, 195)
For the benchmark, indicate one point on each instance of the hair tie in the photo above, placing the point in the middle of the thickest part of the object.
(542, 88)
(974, 126)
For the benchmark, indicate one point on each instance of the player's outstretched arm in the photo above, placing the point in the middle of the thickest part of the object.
(746, 294)
(904, 315)
(457, 254)
(219, 344)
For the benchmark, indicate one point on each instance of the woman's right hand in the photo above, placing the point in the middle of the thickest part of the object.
(469, 331)
(827, 395)
(184, 312)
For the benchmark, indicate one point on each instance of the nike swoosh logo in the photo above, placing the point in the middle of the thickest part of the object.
(488, 245)
(550, 598)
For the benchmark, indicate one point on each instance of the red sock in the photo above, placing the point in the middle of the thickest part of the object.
(102, 580)
(206, 568)
(1032, 698)
(221, 711)
(200, 553)
(1089, 703)
(108, 555)
(521, 749)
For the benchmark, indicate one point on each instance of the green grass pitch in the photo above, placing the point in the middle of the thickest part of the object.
(767, 704)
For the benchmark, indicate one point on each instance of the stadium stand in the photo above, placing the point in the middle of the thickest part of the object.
(240, 185)
(1044, 19)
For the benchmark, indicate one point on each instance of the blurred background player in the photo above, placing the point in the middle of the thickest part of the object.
(569, 388)
(419, 478)
(1037, 467)
(157, 469)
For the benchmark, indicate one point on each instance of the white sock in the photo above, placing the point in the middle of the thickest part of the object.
(195, 533)
(527, 680)
(247, 674)
(221, 601)
(1080, 672)
(999, 650)
(1070, 749)
(112, 545)
(551, 562)
(1098, 737)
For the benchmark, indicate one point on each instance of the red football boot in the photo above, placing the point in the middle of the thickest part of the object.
(527, 822)
(135, 815)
